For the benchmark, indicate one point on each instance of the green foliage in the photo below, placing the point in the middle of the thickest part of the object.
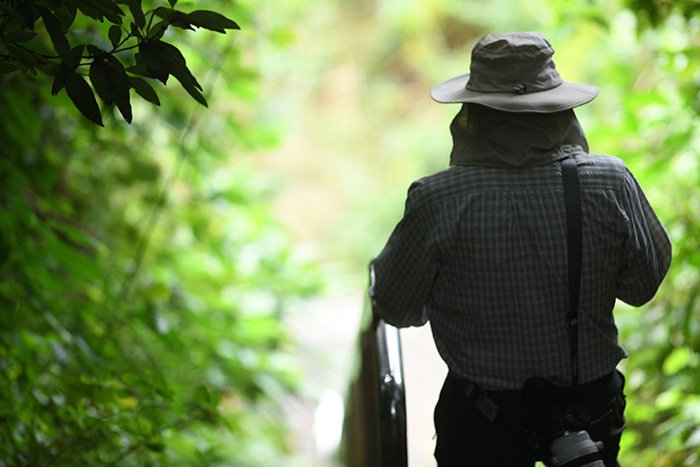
(142, 275)
(653, 13)
(117, 52)
(648, 69)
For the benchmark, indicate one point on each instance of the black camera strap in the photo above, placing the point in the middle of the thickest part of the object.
(574, 235)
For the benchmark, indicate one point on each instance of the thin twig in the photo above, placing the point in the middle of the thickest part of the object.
(31, 51)
(144, 240)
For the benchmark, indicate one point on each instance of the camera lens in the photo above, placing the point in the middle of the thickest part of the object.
(576, 449)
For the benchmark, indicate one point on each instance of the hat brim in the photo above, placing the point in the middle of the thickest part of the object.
(565, 96)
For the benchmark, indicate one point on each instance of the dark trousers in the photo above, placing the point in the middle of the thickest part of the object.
(466, 438)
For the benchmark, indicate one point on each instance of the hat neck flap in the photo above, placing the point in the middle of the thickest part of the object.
(493, 138)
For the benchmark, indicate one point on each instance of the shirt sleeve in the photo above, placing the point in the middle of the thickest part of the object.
(406, 268)
(647, 251)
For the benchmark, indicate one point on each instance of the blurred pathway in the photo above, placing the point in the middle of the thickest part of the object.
(326, 330)
(425, 373)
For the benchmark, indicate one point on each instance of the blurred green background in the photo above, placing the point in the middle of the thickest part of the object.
(168, 286)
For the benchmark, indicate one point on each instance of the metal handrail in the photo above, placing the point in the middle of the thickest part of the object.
(374, 433)
(392, 396)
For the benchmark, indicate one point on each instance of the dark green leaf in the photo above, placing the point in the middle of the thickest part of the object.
(163, 58)
(90, 10)
(156, 31)
(172, 3)
(100, 9)
(48, 68)
(19, 36)
(96, 51)
(71, 60)
(144, 90)
(27, 13)
(56, 33)
(194, 92)
(149, 53)
(110, 10)
(8, 67)
(111, 83)
(115, 34)
(59, 81)
(100, 79)
(66, 14)
(81, 94)
(179, 19)
(137, 13)
(119, 82)
(163, 12)
(141, 70)
(211, 20)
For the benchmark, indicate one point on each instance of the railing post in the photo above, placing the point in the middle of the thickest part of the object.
(375, 425)
(392, 397)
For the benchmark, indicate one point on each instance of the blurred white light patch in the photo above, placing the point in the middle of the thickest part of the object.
(328, 423)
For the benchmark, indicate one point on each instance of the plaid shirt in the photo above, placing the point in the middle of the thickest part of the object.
(481, 252)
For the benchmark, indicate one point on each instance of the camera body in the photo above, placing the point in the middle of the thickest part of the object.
(556, 426)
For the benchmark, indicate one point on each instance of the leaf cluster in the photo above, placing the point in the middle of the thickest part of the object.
(123, 51)
(653, 13)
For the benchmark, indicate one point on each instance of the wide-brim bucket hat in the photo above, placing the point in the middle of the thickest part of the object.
(514, 72)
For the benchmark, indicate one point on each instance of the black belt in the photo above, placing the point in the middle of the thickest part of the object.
(597, 393)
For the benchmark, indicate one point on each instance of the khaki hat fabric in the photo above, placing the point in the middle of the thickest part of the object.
(514, 72)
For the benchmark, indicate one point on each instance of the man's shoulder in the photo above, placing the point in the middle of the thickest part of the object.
(452, 186)
(604, 168)
(435, 180)
(603, 160)
(435, 187)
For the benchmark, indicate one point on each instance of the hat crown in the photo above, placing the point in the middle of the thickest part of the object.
(518, 62)
(512, 46)
(514, 72)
